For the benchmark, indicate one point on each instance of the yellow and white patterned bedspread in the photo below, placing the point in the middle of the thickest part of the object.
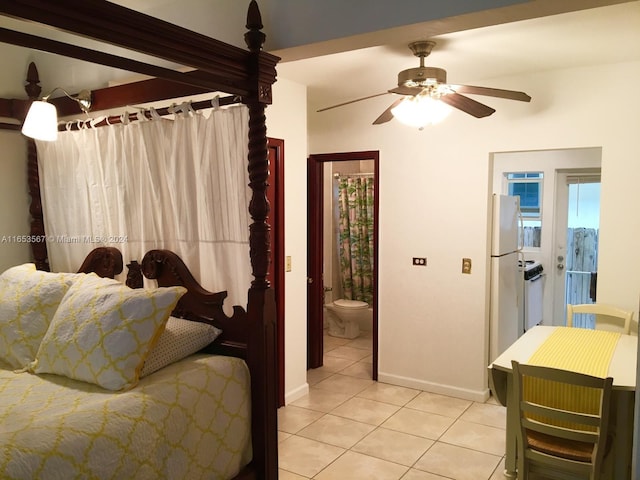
(190, 420)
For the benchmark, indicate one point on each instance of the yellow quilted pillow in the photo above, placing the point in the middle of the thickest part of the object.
(103, 331)
(28, 301)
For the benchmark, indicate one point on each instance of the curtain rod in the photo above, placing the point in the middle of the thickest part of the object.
(338, 174)
(115, 119)
(9, 126)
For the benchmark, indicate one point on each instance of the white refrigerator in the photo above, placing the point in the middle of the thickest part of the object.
(506, 287)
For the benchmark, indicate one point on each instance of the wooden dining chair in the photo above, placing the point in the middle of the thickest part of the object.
(607, 317)
(556, 432)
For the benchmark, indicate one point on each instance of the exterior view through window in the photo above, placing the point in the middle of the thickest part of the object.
(528, 186)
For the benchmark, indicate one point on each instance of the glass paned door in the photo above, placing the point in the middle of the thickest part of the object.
(581, 267)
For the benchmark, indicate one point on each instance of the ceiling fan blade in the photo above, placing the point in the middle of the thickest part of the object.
(352, 101)
(492, 92)
(406, 90)
(467, 105)
(387, 115)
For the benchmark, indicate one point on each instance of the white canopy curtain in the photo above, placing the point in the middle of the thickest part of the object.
(179, 184)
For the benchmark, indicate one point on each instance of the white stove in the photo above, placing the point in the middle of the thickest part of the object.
(533, 293)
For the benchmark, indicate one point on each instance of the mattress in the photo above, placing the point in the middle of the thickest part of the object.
(190, 420)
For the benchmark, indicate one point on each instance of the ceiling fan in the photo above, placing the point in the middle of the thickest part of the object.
(429, 85)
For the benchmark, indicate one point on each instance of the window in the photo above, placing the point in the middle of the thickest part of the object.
(528, 186)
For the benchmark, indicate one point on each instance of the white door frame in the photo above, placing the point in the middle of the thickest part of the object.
(550, 163)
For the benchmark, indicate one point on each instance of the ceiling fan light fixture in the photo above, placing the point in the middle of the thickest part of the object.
(420, 111)
(422, 77)
(428, 96)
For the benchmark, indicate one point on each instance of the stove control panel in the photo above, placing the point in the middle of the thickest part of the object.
(532, 269)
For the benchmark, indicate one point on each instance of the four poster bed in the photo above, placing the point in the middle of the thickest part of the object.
(249, 333)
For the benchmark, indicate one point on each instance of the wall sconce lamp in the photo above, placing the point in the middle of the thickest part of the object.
(41, 122)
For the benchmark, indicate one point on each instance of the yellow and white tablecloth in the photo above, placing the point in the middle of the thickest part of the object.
(578, 350)
(190, 420)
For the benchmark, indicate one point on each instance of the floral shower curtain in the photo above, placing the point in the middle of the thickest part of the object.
(355, 237)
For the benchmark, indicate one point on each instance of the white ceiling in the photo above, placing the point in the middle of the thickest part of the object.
(608, 34)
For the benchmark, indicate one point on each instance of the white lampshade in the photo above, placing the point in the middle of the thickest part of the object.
(420, 111)
(41, 122)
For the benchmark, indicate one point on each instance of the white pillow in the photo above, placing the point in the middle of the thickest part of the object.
(103, 331)
(180, 339)
(29, 299)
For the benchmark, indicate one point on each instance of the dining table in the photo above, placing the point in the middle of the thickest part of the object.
(543, 344)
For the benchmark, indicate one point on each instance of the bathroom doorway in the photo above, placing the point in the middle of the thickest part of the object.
(319, 174)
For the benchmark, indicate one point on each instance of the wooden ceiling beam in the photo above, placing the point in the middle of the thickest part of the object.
(194, 78)
(116, 25)
(219, 67)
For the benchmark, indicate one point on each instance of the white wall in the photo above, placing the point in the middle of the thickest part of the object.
(287, 119)
(14, 199)
(434, 199)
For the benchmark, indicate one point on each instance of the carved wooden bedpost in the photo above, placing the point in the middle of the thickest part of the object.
(261, 308)
(39, 248)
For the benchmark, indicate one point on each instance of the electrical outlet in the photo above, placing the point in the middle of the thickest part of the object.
(287, 263)
(466, 265)
(420, 261)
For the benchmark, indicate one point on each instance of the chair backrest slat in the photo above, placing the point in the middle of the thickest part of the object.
(607, 317)
(560, 415)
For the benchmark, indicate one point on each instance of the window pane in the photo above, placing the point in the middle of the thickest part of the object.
(529, 194)
(528, 186)
(511, 176)
(532, 232)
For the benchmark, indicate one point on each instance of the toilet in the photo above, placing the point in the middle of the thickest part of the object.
(345, 317)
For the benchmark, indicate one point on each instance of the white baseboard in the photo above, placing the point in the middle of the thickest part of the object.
(294, 395)
(466, 394)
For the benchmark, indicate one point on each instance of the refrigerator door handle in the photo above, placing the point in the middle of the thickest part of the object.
(520, 230)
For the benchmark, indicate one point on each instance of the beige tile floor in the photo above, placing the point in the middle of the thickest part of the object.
(350, 427)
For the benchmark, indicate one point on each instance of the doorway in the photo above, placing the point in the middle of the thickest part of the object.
(316, 197)
(275, 273)
(577, 231)
(552, 232)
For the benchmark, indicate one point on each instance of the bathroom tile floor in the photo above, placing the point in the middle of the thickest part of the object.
(351, 428)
